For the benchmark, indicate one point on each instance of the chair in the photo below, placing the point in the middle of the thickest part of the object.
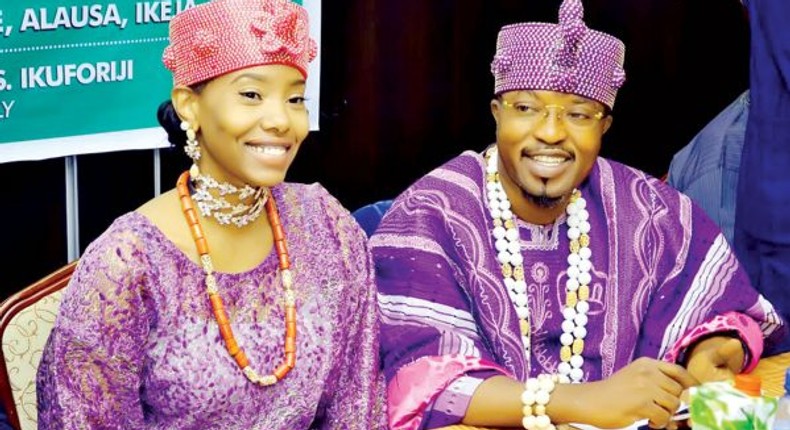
(26, 319)
(369, 216)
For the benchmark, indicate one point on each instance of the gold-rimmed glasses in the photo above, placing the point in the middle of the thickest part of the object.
(577, 116)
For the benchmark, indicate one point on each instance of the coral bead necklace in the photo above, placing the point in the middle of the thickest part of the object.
(217, 307)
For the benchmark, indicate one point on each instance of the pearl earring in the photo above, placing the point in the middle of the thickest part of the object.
(192, 149)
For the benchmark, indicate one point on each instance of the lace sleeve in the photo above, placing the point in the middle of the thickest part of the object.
(89, 376)
(355, 399)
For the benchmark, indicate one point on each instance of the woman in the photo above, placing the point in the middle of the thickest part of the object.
(198, 310)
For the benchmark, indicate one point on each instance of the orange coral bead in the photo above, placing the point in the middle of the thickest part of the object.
(191, 216)
(290, 314)
(241, 359)
(281, 247)
(281, 371)
(232, 346)
(181, 184)
(216, 302)
(278, 232)
(221, 316)
(197, 231)
(290, 359)
(290, 329)
(274, 218)
(226, 331)
(186, 202)
(290, 345)
(285, 262)
(202, 246)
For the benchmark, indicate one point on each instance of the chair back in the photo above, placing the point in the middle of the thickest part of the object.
(26, 319)
(369, 216)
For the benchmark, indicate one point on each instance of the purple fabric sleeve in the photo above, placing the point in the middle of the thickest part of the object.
(357, 384)
(451, 405)
(91, 379)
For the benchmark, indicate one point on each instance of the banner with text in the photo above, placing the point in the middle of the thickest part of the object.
(79, 77)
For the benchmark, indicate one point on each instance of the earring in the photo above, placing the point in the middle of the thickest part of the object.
(192, 149)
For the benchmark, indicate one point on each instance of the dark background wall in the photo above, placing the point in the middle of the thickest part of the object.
(405, 87)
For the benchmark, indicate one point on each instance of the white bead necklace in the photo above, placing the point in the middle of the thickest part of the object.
(577, 287)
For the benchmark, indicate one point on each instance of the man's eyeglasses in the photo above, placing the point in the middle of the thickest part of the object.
(576, 116)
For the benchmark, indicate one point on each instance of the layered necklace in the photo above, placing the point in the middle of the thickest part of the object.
(286, 277)
(577, 286)
(218, 207)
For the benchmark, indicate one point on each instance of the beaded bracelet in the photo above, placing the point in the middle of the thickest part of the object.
(536, 395)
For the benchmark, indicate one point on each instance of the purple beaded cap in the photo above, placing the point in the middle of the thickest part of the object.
(567, 57)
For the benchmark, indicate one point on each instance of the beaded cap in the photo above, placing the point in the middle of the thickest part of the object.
(566, 57)
(222, 36)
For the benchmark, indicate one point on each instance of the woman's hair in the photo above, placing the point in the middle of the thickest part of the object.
(169, 120)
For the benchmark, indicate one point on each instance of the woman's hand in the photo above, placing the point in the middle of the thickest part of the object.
(717, 358)
(646, 388)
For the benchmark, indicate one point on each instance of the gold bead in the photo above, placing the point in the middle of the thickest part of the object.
(208, 266)
(211, 284)
(572, 299)
(584, 239)
(578, 346)
(575, 247)
(584, 292)
(524, 326)
(565, 353)
(491, 177)
(510, 224)
(518, 273)
(290, 298)
(287, 278)
(268, 380)
(507, 270)
(498, 223)
(540, 409)
(250, 374)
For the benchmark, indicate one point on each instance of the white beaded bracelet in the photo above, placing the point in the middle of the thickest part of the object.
(536, 395)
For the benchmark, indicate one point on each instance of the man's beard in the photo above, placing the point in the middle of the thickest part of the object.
(542, 201)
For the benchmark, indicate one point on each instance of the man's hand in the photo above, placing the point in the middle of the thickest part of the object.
(717, 358)
(646, 388)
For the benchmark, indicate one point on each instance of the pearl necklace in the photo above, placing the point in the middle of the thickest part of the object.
(577, 287)
(220, 208)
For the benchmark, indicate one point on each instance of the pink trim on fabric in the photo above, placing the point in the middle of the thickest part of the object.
(418, 384)
(747, 329)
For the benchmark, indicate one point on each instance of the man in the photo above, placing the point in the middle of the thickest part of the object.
(707, 168)
(762, 227)
(539, 257)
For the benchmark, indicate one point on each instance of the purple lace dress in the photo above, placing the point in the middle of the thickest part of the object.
(136, 346)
